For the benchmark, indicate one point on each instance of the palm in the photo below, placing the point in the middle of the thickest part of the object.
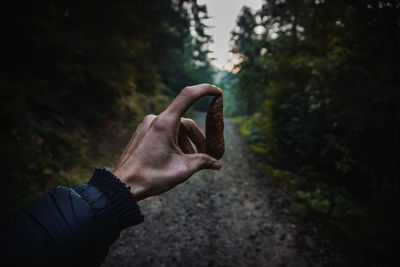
(161, 155)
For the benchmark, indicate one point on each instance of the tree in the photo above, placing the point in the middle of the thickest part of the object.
(245, 44)
(73, 69)
(189, 63)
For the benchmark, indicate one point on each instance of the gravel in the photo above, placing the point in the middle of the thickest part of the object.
(232, 217)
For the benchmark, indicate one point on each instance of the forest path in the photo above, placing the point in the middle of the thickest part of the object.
(232, 217)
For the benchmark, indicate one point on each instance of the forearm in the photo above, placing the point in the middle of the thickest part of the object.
(71, 226)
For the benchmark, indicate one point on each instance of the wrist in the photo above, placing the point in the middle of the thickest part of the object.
(132, 182)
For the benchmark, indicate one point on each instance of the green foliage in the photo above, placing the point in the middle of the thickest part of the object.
(324, 107)
(363, 233)
(79, 76)
(322, 83)
(257, 129)
(233, 104)
(183, 68)
(188, 64)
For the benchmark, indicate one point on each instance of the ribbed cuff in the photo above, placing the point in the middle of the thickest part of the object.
(122, 200)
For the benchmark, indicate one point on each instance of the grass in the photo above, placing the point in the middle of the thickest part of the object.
(365, 234)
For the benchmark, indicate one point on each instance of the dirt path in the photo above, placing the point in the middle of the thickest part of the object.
(232, 217)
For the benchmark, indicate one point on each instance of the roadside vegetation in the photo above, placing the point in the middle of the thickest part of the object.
(77, 78)
(316, 96)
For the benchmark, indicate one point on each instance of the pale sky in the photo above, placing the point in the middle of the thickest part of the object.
(223, 15)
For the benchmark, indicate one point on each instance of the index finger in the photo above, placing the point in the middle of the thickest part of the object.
(188, 95)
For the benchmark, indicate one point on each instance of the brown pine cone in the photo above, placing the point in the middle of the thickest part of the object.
(215, 143)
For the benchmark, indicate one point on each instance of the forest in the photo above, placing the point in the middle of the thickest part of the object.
(316, 95)
(78, 75)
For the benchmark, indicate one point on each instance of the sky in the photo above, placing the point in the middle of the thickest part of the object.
(223, 15)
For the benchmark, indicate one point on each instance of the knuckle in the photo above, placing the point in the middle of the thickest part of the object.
(203, 163)
(188, 123)
(206, 85)
(159, 125)
(186, 91)
(167, 118)
(148, 118)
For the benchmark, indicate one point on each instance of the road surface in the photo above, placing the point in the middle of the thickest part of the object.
(232, 217)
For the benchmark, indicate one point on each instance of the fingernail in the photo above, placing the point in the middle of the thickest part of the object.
(216, 165)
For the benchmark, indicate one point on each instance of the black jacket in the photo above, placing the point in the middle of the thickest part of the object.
(70, 226)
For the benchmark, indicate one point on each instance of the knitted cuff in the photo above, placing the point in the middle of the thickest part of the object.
(122, 200)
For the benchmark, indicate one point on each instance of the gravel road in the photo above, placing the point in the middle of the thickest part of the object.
(232, 217)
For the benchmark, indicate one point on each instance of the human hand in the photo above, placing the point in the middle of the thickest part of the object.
(160, 154)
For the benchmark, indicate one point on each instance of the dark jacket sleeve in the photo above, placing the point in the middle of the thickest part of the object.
(70, 226)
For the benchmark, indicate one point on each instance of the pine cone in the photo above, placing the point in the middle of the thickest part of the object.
(215, 143)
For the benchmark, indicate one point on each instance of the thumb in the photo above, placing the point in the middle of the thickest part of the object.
(201, 161)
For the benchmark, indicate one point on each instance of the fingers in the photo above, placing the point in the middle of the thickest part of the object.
(188, 96)
(200, 161)
(184, 142)
(195, 134)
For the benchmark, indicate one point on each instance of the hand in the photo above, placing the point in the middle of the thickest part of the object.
(160, 154)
